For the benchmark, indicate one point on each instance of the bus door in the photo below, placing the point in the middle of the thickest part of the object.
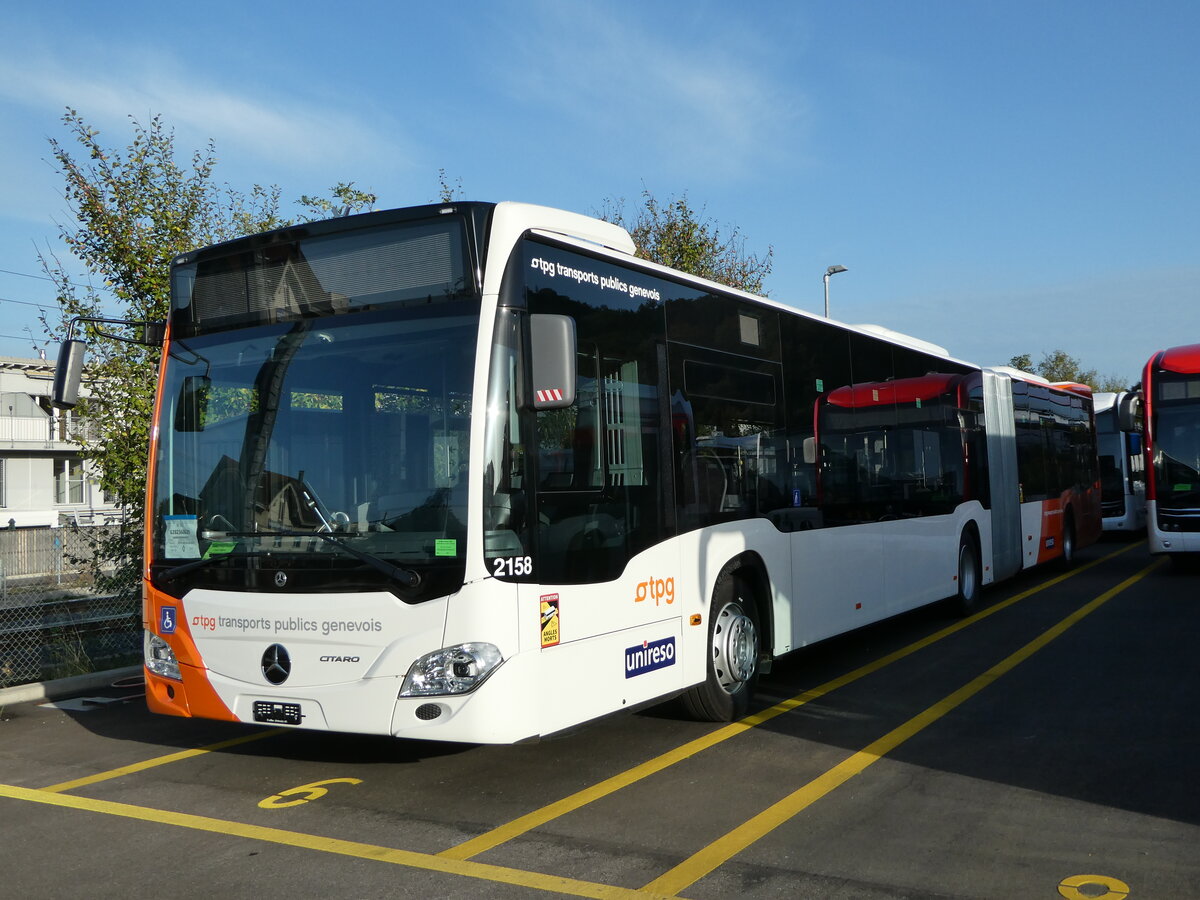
(840, 567)
(922, 479)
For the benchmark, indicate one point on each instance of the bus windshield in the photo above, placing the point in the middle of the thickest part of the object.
(1177, 440)
(1111, 446)
(306, 439)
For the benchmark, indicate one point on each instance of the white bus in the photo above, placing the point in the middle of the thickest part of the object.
(1122, 469)
(474, 472)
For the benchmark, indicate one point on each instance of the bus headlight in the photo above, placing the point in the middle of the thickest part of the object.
(451, 670)
(160, 658)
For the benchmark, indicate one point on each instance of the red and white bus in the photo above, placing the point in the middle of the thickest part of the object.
(912, 448)
(1171, 398)
(474, 472)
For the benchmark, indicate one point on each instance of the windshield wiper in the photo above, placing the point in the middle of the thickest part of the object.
(184, 568)
(407, 577)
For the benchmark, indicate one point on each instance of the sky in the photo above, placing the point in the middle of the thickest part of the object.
(998, 178)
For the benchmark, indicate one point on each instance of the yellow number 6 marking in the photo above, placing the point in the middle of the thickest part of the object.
(1113, 888)
(311, 792)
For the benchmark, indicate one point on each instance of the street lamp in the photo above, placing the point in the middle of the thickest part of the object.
(832, 270)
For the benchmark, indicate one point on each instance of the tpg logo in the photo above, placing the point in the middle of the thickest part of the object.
(660, 590)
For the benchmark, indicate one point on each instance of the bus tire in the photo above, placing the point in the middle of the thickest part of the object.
(970, 574)
(1068, 541)
(733, 649)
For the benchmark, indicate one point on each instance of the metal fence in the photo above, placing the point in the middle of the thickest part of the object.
(53, 621)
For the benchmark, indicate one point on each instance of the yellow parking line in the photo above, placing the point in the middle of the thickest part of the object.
(724, 848)
(407, 858)
(160, 761)
(538, 817)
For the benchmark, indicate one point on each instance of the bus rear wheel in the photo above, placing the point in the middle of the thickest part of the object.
(733, 648)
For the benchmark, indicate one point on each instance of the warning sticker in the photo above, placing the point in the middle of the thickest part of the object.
(550, 632)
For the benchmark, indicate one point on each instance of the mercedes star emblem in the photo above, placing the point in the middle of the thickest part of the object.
(276, 664)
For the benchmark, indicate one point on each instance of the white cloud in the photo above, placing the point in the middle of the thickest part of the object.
(290, 132)
(708, 103)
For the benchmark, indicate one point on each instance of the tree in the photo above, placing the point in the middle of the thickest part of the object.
(677, 235)
(448, 192)
(346, 198)
(1061, 366)
(132, 211)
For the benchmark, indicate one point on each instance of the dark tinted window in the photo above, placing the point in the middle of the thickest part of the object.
(265, 281)
(599, 466)
(1056, 449)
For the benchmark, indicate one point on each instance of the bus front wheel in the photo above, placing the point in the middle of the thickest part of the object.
(1068, 540)
(733, 648)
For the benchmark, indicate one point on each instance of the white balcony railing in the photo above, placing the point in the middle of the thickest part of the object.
(38, 430)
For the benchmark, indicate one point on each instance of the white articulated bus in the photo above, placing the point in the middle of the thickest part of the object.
(1122, 472)
(474, 472)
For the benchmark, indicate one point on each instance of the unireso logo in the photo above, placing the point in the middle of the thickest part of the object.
(649, 656)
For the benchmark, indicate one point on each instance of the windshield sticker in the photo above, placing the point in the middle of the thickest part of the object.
(181, 540)
(219, 548)
(445, 547)
(550, 632)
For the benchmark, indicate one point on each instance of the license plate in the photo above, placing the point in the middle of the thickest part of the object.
(272, 713)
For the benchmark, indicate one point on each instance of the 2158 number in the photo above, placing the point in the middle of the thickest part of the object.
(513, 566)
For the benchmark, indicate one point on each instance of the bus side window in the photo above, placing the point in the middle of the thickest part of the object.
(730, 453)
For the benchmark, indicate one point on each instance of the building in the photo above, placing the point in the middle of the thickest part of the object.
(43, 477)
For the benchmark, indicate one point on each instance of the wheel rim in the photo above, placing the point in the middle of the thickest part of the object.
(735, 648)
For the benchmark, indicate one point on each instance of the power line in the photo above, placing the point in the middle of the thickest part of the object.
(42, 278)
(28, 303)
(36, 349)
(40, 351)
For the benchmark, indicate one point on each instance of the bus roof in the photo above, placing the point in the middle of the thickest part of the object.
(1074, 387)
(903, 390)
(1020, 374)
(899, 337)
(1105, 400)
(1184, 360)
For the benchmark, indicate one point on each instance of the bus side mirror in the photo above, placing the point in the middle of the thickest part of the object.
(1129, 412)
(191, 406)
(67, 373)
(69, 369)
(810, 451)
(552, 346)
